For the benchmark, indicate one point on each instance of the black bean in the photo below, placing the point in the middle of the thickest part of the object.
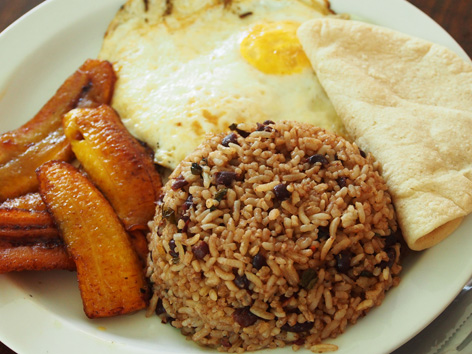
(298, 327)
(225, 178)
(160, 308)
(366, 273)
(225, 342)
(188, 203)
(200, 250)
(260, 127)
(323, 233)
(300, 341)
(318, 158)
(258, 261)
(392, 256)
(172, 251)
(242, 282)
(241, 132)
(240, 177)
(266, 122)
(391, 239)
(179, 182)
(281, 192)
(160, 228)
(263, 127)
(363, 154)
(343, 262)
(186, 220)
(342, 182)
(230, 138)
(244, 317)
(196, 169)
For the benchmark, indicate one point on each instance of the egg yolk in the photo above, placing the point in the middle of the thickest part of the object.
(273, 48)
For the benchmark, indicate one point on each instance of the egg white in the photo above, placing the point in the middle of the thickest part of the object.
(181, 73)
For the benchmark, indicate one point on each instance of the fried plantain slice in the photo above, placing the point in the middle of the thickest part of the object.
(37, 256)
(91, 85)
(26, 226)
(110, 275)
(18, 177)
(140, 245)
(30, 201)
(101, 143)
(25, 220)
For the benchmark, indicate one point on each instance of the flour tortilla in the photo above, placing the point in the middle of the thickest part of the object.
(408, 102)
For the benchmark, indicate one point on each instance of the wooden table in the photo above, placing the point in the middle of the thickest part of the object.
(453, 15)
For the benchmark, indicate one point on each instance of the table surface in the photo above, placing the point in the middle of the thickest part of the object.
(454, 16)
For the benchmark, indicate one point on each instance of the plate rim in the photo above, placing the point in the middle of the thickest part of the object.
(19, 28)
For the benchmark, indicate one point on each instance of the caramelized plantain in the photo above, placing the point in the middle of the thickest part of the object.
(30, 201)
(37, 256)
(116, 162)
(140, 245)
(25, 220)
(110, 275)
(91, 85)
(18, 177)
(25, 226)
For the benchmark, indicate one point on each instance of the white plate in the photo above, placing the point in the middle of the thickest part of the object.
(42, 312)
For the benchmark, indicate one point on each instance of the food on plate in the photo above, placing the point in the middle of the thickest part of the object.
(29, 239)
(18, 174)
(116, 163)
(30, 201)
(21, 225)
(42, 139)
(92, 84)
(273, 234)
(188, 68)
(112, 158)
(408, 101)
(25, 218)
(110, 274)
(34, 256)
(25, 227)
(276, 233)
(140, 244)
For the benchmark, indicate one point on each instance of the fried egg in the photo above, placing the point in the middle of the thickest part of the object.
(187, 68)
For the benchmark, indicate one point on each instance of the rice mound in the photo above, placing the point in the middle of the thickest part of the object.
(274, 234)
